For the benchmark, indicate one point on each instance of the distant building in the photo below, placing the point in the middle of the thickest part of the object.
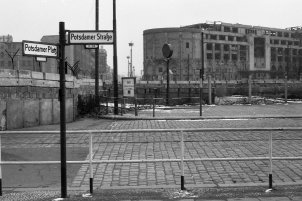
(231, 52)
(6, 38)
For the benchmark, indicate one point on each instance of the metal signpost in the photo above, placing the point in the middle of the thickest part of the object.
(91, 39)
(167, 52)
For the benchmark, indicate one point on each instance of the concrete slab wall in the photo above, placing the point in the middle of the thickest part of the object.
(31, 113)
(46, 111)
(2, 115)
(14, 114)
(56, 111)
(69, 110)
(21, 113)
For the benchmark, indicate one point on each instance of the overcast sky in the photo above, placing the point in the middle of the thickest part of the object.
(31, 19)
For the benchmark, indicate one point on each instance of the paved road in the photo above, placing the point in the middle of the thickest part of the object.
(165, 145)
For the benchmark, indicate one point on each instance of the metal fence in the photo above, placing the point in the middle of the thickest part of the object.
(182, 139)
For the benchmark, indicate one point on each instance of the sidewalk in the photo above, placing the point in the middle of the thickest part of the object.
(285, 193)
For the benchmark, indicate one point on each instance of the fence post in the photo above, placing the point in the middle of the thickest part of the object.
(182, 179)
(90, 163)
(270, 161)
(285, 88)
(135, 103)
(210, 89)
(107, 109)
(153, 107)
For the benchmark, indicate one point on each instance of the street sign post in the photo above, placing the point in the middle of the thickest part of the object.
(90, 37)
(32, 48)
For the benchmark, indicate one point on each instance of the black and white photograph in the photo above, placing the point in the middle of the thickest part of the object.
(150, 100)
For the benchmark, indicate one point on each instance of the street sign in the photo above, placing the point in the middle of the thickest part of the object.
(128, 86)
(91, 46)
(90, 37)
(32, 48)
(167, 50)
(41, 59)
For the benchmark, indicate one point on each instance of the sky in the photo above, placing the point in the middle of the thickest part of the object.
(31, 19)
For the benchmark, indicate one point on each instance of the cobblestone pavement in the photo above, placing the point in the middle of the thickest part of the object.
(166, 145)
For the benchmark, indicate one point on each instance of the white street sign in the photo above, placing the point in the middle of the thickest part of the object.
(31, 48)
(90, 37)
(128, 86)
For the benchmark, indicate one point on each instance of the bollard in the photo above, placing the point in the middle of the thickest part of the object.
(90, 164)
(182, 178)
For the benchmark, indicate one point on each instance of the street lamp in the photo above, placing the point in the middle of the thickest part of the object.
(128, 57)
(131, 44)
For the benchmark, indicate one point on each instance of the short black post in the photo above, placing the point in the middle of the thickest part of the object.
(91, 185)
(135, 104)
(270, 177)
(1, 187)
(153, 107)
(182, 183)
(107, 110)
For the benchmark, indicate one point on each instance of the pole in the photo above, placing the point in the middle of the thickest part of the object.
(200, 94)
(90, 163)
(135, 104)
(182, 178)
(250, 88)
(0, 169)
(285, 87)
(210, 88)
(201, 73)
(131, 70)
(97, 101)
(115, 83)
(270, 161)
(154, 107)
(168, 82)
(62, 111)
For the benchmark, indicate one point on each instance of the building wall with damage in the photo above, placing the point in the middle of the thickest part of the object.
(231, 52)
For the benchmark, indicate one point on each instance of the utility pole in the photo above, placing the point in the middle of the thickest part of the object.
(128, 66)
(97, 102)
(131, 64)
(115, 81)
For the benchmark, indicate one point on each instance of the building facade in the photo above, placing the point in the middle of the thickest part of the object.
(230, 52)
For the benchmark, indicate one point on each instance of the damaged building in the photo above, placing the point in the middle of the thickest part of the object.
(231, 52)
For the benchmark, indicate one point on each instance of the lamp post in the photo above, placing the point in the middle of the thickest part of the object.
(131, 64)
(128, 66)
(167, 52)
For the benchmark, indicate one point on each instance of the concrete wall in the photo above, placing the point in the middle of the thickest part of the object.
(31, 98)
